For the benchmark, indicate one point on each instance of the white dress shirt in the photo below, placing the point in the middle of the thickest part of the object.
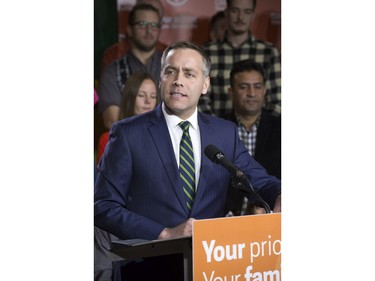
(175, 133)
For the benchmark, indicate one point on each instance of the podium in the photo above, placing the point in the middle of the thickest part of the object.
(233, 248)
(138, 248)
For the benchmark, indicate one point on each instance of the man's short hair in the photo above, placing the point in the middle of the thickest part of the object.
(246, 65)
(141, 7)
(229, 3)
(188, 45)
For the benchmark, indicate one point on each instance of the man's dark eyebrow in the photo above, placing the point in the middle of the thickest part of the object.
(184, 69)
(189, 69)
(256, 83)
(170, 67)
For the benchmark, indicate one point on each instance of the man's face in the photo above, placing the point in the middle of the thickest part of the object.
(145, 37)
(182, 82)
(239, 16)
(248, 93)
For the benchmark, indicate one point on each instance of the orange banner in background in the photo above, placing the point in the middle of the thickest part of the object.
(245, 248)
(189, 20)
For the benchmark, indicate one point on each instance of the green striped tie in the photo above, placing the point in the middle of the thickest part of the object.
(187, 166)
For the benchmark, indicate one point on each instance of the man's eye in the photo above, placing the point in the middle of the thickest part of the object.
(170, 71)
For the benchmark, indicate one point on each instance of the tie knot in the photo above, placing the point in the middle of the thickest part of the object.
(184, 125)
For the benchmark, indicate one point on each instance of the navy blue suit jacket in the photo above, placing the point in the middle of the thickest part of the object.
(138, 190)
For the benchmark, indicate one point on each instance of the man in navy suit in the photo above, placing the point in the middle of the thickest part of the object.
(138, 191)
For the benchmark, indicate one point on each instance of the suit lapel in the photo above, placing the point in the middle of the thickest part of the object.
(160, 135)
(207, 137)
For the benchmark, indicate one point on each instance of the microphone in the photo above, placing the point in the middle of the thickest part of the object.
(216, 156)
(240, 180)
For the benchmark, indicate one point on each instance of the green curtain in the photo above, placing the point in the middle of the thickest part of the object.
(105, 30)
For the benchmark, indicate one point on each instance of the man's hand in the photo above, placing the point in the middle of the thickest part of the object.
(182, 230)
(277, 207)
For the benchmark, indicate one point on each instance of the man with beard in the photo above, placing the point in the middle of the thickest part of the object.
(143, 33)
(239, 44)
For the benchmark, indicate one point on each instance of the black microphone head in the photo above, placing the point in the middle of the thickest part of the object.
(213, 153)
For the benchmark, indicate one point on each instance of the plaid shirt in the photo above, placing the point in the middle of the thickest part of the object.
(114, 76)
(222, 56)
(248, 138)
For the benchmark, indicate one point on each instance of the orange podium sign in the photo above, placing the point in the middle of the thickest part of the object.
(244, 248)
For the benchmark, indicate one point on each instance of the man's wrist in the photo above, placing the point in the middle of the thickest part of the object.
(163, 234)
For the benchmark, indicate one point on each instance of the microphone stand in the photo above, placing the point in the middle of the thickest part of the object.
(241, 182)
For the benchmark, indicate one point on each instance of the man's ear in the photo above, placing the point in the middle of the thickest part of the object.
(206, 85)
(129, 31)
(230, 93)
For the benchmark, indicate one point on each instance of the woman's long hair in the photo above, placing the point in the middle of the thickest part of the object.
(129, 94)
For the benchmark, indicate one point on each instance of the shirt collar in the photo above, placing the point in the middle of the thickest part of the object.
(255, 125)
(173, 120)
(250, 39)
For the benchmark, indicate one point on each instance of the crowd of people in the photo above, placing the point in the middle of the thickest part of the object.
(162, 106)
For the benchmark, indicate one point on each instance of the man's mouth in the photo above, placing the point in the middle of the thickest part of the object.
(177, 94)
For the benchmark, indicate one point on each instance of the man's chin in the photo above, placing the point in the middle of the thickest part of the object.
(145, 47)
(239, 31)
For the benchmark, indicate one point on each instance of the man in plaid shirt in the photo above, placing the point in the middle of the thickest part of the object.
(239, 44)
(259, 130)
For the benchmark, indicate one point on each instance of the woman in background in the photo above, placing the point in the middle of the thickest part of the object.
(140, 95)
